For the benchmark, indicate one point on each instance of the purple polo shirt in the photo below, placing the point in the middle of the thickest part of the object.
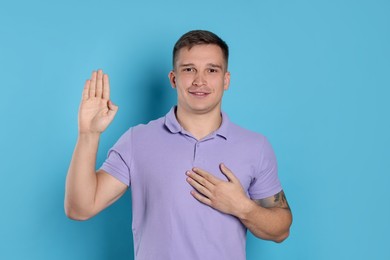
(168, 223)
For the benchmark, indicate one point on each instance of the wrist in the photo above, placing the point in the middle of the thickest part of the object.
(246, 209)
(89, 137)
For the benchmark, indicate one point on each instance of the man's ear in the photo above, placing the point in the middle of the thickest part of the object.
(226, 80)
(172, 78)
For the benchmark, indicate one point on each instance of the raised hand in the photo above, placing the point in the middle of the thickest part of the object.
(96, 110)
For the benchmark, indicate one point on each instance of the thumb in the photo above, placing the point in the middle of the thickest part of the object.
(227, 172)
(112, 108)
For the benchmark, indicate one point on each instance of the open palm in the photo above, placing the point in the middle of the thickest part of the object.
(96, 110)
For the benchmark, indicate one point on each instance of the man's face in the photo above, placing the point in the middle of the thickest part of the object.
(200, 77)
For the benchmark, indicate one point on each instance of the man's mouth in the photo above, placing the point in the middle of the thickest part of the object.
(199, 93)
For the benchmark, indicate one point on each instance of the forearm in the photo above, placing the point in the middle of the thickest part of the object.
(81, 180)
(266, 223)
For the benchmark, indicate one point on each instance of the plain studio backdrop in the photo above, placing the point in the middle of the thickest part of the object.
(313, 76)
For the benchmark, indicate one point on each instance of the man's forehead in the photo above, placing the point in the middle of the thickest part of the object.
(205, 53)
(201, 48)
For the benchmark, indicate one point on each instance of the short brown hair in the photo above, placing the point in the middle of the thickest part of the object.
(199, 37)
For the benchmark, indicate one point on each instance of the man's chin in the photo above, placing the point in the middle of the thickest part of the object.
(202, 110)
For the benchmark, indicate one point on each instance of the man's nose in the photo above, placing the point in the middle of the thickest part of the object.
(199, 80)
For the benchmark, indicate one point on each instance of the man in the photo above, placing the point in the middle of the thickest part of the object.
(198, 181)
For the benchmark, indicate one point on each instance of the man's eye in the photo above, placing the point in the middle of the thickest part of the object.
(188, 69)
(212, 70)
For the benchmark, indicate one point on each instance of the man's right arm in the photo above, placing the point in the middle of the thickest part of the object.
(87, 191)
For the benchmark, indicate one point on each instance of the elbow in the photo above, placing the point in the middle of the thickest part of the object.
(76, 217)
(282, 237)
(285, 233)
(277, 238)
(73, 214)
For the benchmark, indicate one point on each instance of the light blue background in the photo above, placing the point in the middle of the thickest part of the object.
(313, 76)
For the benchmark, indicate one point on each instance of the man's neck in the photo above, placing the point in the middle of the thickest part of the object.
(199, 125)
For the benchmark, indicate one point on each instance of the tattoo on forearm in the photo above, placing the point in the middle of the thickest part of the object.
(277, 197)
(279, 200)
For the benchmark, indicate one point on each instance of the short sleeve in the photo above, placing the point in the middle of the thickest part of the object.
(118, 161)
(266, 181)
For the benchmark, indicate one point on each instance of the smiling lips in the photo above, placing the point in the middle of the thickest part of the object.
(199, 93)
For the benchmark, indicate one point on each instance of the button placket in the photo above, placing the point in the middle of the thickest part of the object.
(197, 157)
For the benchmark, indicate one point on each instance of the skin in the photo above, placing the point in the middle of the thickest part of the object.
(200, 78)
(203, 69)
(88, 192)
(268, 218)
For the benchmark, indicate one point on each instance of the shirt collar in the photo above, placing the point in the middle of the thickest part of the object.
(174, 127)
(223, 130)
(171, 121)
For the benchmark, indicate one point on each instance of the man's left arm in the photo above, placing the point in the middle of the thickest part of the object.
(268, 218)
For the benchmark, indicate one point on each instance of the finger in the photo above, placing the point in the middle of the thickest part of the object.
(206, 175)
(99, 84)
(199, 187)
(106, 87)
(200, 179)
(85, 95)
(201, 198)
(227, 172)
(92, 87)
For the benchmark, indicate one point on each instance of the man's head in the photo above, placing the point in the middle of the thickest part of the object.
(199, 37)
(199, 72)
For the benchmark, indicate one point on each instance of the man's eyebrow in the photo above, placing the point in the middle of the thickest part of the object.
(186, 65)
(213, 65)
